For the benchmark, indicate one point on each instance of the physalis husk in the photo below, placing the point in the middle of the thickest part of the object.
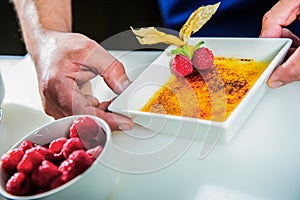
(196, 20)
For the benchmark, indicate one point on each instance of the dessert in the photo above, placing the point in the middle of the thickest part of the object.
(202, 85)
(210, 94)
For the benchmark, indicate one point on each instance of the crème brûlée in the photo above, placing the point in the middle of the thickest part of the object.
(210, 94)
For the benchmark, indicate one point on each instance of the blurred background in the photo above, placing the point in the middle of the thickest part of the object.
(101, 20)
(90, 17)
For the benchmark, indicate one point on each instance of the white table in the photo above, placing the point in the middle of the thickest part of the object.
(262, 161)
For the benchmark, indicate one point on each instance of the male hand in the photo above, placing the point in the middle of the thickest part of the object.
(66, 62)
(282, 14)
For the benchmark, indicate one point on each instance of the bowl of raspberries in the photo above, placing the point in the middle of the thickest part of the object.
(61, 158)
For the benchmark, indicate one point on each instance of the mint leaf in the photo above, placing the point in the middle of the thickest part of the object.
(186, 51)
(183, 51)
(177, 51)
(197, 46)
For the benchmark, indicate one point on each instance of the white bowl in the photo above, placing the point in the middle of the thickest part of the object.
(94, 183)
(156, 74)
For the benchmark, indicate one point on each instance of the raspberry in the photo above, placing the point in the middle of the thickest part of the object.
(42, 177)
(43, 151)
(30, 161)
(73, 131)
(58, 157)
(25, 145)
(71, 145)
(181, 65)
(19, 184)
(76, 163)
(32, 168)
(85, 128)
(203, 58)
(58, 181)
(95, 152)
(11, 159)
(56, 145)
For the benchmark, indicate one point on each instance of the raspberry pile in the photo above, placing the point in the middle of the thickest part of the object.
(32, 168)
(187, 58)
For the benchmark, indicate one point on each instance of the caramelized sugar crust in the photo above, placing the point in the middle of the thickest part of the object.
(210, 94)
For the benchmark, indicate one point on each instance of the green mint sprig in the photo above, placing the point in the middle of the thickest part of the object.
(197, 46)
(185, 50)
(182, 50)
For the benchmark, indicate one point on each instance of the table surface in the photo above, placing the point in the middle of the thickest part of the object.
(261, 162)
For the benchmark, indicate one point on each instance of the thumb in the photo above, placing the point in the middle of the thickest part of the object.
(286, 73)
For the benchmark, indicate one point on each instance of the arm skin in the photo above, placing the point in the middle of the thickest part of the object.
(66, 62)
(282, 14)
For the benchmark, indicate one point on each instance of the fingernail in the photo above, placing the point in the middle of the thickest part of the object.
(120, 87)
(125, 127)
(125, 84)
(276, 84)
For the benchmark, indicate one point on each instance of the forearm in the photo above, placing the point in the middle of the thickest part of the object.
(39, 16)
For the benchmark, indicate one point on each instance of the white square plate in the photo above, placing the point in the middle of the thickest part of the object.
(157, 73)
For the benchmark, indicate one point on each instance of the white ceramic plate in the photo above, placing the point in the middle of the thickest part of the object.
(157, 73)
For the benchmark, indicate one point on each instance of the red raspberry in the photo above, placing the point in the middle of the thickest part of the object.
(11, 159)
(56, 145)
(42, 150)
(43, 176)
(95, 152)
(73, 131)
(203, 58)
(25, 145)
(85, 128)
(30, 161)
(71, 145)
(58, 181)
(181, 65)
(19, 184)
(76, 163)
(58, 157)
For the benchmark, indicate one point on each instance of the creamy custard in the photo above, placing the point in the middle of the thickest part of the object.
(210, 94)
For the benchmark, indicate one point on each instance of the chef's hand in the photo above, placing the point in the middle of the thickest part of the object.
(282, 14)
(66, 62)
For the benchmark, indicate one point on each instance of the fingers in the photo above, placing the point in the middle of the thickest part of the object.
(286, 33)
(115, 121)
(108, 67)
(64, 79)
(286, 73)
(282, 14)
(52, 110)
(115, 77)
(86, 91)
(64, 98)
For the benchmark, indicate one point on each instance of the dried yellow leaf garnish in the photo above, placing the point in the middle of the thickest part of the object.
(197, 19)
(153, 36)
